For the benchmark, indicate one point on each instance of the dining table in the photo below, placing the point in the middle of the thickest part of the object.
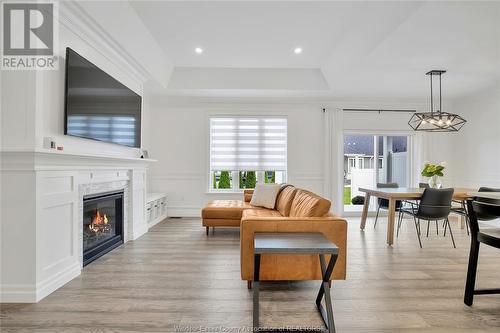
(401, 193)
(487, 195)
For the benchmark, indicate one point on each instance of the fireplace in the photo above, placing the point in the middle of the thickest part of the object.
(102, 224)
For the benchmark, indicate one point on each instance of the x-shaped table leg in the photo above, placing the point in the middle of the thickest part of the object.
(324, 291)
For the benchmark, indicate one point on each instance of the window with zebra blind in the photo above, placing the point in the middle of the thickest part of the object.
(247, 150)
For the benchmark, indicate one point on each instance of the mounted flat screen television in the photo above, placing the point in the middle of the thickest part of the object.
(99, 107)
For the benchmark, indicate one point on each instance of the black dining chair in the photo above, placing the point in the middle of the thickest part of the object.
(384, 203)
(411, 203)
(488, 189)
(462, 209)
(434, 205)
(480, 209)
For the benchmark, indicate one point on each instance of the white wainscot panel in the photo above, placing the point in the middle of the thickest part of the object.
(106, 176)
(56, 232)
(57, 183)
(56, 237)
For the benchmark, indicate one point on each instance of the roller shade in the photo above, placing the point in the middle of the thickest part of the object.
(249, 143)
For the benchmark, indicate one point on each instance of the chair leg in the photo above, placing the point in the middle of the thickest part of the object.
(471, 272)
(466, 216)
(376, 217)
(451, 233)
(467, 225)
(428, 224)
(208, 229)
(437, 227)
(249, 284)
(400, 219)
(444, 226)
(418, 230)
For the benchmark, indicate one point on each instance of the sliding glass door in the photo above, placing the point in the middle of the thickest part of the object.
(370, 159)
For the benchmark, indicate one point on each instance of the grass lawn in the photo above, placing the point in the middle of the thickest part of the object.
(347, 195)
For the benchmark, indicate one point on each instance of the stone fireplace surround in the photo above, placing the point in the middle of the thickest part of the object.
(43, 250)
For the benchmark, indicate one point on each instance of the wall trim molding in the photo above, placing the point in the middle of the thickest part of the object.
(18, 293)
(51, 284)
(139, 230)
(47, 159)
(31, 293)
(179, 176)
(184, 211)
(78, 21)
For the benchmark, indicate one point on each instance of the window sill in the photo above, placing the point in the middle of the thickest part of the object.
(224, 192)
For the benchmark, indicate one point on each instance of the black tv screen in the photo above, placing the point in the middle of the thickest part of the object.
(99, 107)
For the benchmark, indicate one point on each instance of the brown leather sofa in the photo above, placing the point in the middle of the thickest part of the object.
(296, 210)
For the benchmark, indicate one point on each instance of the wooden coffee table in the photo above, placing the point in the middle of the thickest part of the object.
(297, 243)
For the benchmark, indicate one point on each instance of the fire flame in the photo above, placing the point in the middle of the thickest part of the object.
(99, 219)
(98, 222)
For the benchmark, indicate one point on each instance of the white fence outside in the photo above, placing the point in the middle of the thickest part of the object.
(399, 168)
(361, 178)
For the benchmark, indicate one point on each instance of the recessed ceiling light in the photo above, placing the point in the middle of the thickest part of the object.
(198, 50)
(297, 50)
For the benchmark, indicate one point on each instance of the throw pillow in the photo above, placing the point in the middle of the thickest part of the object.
(265, 195)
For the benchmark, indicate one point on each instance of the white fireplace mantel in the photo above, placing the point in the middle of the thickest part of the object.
(40, 159)
(42, 192)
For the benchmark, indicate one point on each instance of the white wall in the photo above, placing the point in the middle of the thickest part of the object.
(17, 109)
(178, 137)
(473, 153)
(33, 101)
(437, 148)
(476, 148)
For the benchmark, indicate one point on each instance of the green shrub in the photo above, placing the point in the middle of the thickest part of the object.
(225, 180)
(242, 181)
(358, 200)
(270, 180)
(251, 179)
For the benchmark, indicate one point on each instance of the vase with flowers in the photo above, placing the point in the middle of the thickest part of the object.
(434, 172)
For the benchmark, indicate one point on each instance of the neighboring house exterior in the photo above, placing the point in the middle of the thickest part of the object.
(359, 152)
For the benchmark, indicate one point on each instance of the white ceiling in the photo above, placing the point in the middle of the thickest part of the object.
(362, 49)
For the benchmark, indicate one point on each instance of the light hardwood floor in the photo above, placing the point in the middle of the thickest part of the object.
(175, 278)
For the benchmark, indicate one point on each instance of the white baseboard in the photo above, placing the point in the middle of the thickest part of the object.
(30, 293)
(139, 230)
(56, 281)
(358, 214)
(156, 221)
(18, 293)
(184, 211)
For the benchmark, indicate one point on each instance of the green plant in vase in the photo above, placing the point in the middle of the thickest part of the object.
(434, 171)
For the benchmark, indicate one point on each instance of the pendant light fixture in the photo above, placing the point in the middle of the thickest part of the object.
(436, 120)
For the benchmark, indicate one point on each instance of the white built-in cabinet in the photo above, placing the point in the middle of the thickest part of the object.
(156, 208)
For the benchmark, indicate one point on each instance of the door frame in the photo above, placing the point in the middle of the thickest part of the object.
(412, 158)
